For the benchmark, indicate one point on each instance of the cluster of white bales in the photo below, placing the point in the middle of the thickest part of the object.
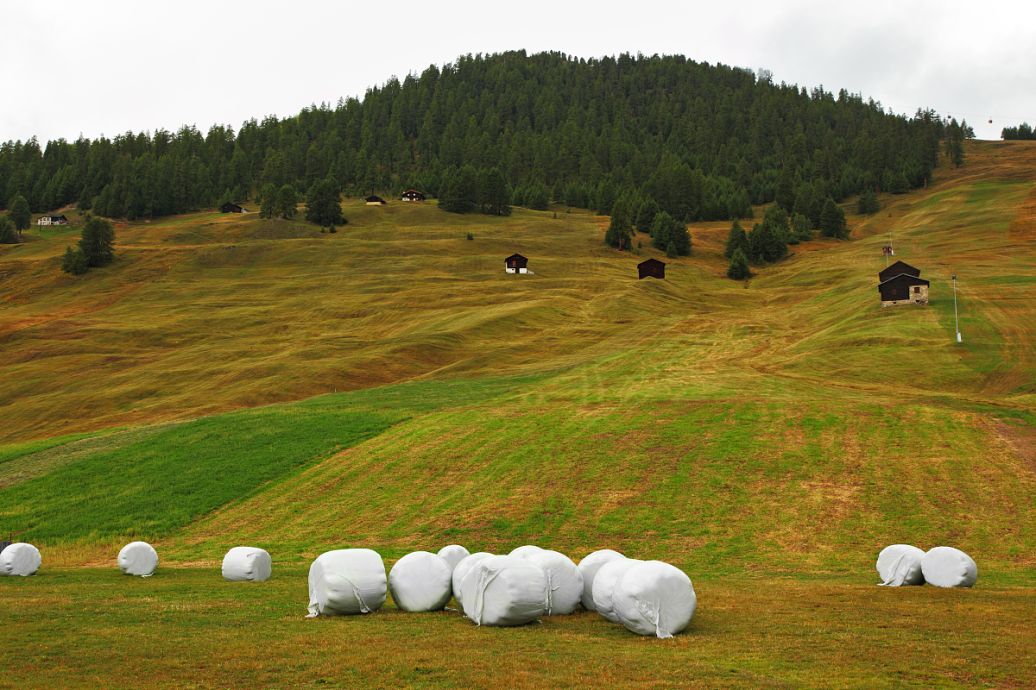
(943, 566)
(648, 597)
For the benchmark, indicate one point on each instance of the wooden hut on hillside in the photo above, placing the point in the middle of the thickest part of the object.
(516, 263)
(52, 220)
(231, 207)
(652, 268)
(374, 200)
(902, 283)
(412, 195)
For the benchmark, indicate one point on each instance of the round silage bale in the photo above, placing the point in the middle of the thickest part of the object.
(589, 567)
(655, 598)
(523, 551)
(346, 582)
(564, 581)
(138, 558)
(604, 586)
(247, 564)
(421, 581)
(945, 566)
(462, 569)
(20, 560)
(900, 564)
(504, 591)
(454, 554)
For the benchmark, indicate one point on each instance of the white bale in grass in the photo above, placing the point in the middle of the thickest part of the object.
(454, 554)
(523, 551)
(462, 569)
(247, 564)
(900, 564)
(589, 567)
(604, 585)
(421, 581)
(503, 590)
(945, 566)
(655, 598)
(346, 582)
(564, 581)
(138, 558)
(20, 559)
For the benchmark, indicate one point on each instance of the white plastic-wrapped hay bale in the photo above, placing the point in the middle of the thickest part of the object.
(462, 569)
(564, 581)
(900, 564)
(421, 581)
(945, 566)
(138, 558)
(453, 554)
(20, 559)
(523, 551)
(247, 564)
(655, 598)
(346, 582)
(604, 586)
(589, 567)
(503, 590)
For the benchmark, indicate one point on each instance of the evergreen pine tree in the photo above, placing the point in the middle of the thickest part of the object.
(832, 221)
(785, 193)
(868, 202)
(737, 239)
(738, 268)
(97, 242)
(19, 212)
(74, 262)
(287, 201)
(8, 235)
(322, 205)
(268, 201)
(801, 228)
(460, 191)
(670, 250)
(493, 195)
(646, 215)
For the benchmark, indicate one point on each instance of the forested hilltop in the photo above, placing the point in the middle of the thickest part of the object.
(705, 141)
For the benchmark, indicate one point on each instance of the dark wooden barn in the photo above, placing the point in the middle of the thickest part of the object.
(652, 268)
(412, 195)
(903, 289)
(516, 263)
(897, 268)
(374, 200)
(231, 207)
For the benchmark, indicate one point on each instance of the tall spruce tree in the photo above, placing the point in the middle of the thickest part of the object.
(460, 191)
(646, 213)
(97, 242)
(287, 201)
(268, 201)
(322, 204)
(738, 268)
(493, 195)
(21, 216)
(8, 235)
(736, 239)
(832, 221)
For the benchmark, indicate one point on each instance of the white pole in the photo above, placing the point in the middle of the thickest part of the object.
(956, 323)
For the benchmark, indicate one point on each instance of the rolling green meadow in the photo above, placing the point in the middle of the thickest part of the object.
(236, 381)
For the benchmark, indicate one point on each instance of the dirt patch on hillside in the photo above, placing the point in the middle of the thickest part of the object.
(1021, 438)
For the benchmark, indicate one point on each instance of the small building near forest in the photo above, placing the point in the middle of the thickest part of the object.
(516, 263)
(374, 200)
(231, 207)
(652, 268)
(902, 283)
(412, 195)
(52, 220)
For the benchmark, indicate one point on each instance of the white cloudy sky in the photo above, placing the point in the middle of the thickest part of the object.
(69, 67)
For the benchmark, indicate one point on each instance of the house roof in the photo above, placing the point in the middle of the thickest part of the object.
(896, 268)
(374, 197)
(516, 256)
(914, 280)
(650, 262)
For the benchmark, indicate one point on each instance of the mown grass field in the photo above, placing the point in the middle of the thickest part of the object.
(236, 381)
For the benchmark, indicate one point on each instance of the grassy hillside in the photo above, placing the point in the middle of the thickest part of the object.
(768, 437)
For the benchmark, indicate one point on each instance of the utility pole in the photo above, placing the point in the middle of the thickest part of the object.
(956, 322)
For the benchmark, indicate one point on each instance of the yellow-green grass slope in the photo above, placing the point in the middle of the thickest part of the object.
(768, 437)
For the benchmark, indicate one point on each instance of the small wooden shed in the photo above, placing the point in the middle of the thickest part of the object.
(903, 289)
(516, 263)
(412, 195)
(231, 207)
(374, 200)
(652, 268)
(896, 268)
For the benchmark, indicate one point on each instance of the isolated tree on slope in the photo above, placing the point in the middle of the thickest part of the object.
(97, 242)
(21, 216)
(74, 261)
(322, 205)
(268, 200)
(8, 235)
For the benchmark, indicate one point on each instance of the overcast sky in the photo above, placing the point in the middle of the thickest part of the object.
(71, 67)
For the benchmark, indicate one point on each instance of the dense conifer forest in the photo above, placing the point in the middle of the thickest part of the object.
(703, 141)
